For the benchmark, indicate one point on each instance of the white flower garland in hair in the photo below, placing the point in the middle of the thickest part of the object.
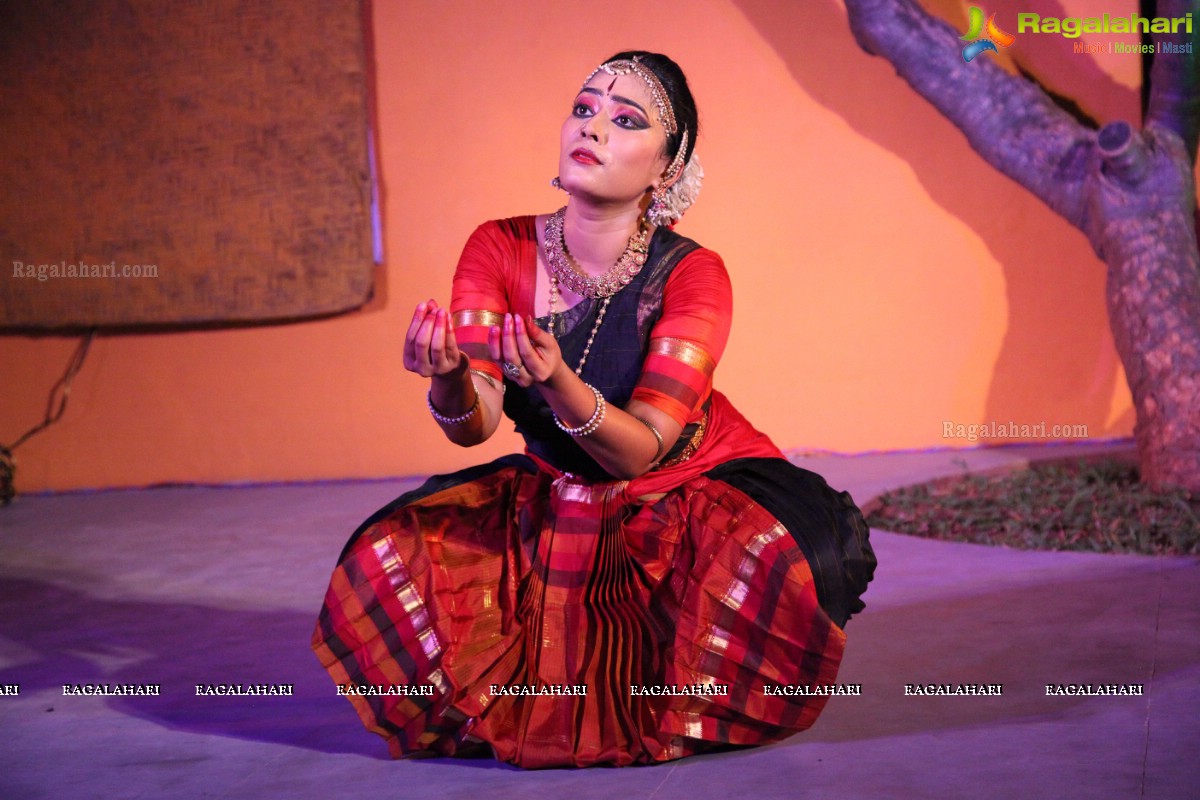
(680, 195)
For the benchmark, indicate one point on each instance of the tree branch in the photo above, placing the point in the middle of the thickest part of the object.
(1008, 120)
(1175, 78)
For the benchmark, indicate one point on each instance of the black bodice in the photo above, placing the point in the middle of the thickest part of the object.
(614, 362)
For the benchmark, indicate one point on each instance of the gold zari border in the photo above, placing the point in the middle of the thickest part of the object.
(474, 316)
(685, 351)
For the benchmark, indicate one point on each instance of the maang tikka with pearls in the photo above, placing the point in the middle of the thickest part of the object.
(658, 93)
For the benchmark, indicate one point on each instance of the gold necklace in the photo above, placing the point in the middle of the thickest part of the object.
(563, 269)
(571, 275)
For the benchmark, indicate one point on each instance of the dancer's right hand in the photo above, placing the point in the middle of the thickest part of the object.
(430, 349)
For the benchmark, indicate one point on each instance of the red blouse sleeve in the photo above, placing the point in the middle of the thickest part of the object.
(688, 340)
(488, 284)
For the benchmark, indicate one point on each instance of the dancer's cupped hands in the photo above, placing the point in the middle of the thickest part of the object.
(526, 353)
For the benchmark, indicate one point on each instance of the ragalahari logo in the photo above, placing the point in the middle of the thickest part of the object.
(976, 29)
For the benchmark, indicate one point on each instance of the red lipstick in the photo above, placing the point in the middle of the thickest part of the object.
(584, 156)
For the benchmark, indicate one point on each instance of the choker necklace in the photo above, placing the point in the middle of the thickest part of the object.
(564, 270)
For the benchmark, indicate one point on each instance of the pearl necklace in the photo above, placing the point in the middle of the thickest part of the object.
(563, 269)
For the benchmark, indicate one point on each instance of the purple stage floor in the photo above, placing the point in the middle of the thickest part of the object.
(186, 586)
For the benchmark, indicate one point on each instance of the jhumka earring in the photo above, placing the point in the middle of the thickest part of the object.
(658, 209)
(658, 202)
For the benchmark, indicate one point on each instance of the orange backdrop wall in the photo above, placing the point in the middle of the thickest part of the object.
(886, 280)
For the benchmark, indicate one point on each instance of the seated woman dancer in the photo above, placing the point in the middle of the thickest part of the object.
(632, 588)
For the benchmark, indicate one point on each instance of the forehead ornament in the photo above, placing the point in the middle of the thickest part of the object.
(662, 101)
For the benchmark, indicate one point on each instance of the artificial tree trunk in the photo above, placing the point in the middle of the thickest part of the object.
(1131, 192)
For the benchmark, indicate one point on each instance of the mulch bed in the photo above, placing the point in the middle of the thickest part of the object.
(1096, 506)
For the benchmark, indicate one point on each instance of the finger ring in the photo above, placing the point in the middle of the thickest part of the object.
(512, 370)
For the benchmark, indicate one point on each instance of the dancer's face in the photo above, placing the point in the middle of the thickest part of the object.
(613, 145)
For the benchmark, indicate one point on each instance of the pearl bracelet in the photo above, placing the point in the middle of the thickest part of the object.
(592, 424)
(461, 418)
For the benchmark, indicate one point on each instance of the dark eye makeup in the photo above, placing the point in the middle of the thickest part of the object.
(625, 119)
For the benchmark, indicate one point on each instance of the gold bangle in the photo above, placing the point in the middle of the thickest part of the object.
(661, 444)
(490, 380)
